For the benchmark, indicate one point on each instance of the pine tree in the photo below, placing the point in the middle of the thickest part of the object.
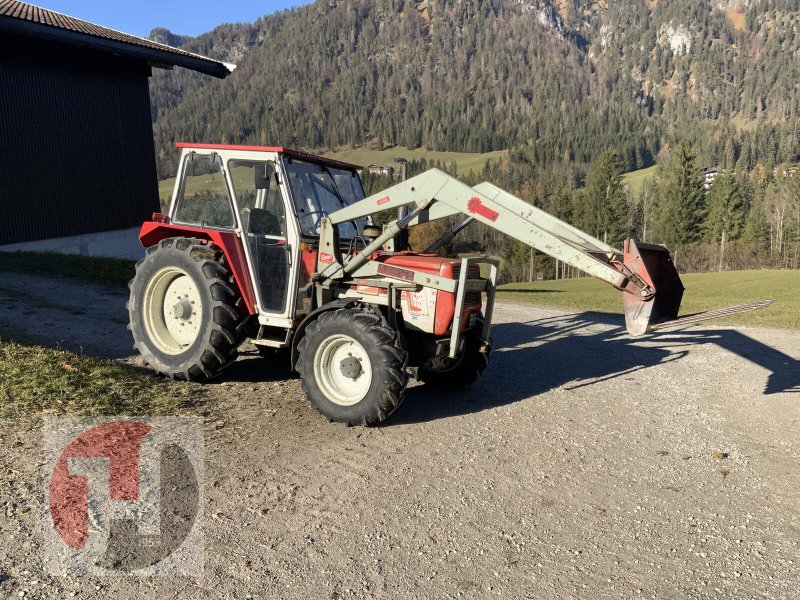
(726, 210)
(726, 214)
(607, 198)
(793, 190)
(517, 260)
(755, 228)
(682, 202)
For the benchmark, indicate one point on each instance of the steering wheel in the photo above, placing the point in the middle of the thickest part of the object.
(316, 215)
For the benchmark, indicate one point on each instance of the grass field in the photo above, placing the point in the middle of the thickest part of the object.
(40, 381)
(636, 179)
(106, 271)
(465, 161)
(193, 185)
(704, 291)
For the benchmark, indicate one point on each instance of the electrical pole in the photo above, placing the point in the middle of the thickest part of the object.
(401, 242)
(530, 274)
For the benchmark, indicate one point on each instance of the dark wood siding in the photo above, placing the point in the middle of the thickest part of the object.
(76, 142)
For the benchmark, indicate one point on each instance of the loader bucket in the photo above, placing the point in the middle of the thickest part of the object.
(654, 266)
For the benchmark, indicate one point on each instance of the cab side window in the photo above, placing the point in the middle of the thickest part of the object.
(258, 197)
(263, 216)
(203, 199)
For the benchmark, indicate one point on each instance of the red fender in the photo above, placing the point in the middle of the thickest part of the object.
(230, 243)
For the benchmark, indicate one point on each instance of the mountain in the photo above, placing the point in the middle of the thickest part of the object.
(560, 80)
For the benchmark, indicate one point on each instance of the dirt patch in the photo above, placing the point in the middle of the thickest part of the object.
(84, 318)
(583, 464)
(736, 17)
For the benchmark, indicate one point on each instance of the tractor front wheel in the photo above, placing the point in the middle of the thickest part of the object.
(185, 312)
(352, 366)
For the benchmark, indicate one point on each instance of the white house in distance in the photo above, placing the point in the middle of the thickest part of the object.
(381, 170)
(709, 176)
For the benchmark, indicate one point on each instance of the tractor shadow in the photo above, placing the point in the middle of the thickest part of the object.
(579, 350)
(252, 367)
(530, 291)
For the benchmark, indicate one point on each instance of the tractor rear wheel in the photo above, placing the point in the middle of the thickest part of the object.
(352, 366)
(185, 312)
(463, 370)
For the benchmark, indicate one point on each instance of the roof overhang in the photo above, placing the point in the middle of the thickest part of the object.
(153, 56)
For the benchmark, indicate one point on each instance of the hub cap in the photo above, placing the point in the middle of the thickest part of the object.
(342, 370)
(172, 310)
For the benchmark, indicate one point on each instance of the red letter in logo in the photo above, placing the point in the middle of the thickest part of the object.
(120, 443)
(476, 207)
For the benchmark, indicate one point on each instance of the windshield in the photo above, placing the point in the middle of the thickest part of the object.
(318, 191)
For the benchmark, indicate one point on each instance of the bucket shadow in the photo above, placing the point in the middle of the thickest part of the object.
(579, 350)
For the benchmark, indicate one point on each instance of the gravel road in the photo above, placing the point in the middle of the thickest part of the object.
(584, 464)
(83, 318)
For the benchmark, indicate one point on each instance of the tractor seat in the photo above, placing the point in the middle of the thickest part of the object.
(260, 221)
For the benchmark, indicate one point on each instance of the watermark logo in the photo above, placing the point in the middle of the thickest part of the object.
(123, 496)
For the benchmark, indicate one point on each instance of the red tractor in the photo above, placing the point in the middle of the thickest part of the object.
(240, 256)
(278, 247)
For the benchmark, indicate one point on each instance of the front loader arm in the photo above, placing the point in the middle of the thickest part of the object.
(639, 271)
(438, 195)
(645, 272)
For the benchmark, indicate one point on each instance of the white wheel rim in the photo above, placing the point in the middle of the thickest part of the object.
(342, 370)
(173, 310)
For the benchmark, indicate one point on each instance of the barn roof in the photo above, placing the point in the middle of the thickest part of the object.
(33, 21)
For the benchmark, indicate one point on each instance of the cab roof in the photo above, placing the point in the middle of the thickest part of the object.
(298, 154)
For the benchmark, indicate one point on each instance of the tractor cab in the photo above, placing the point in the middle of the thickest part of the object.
(273, 199)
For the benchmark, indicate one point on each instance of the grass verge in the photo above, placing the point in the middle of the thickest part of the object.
(36, 381)
(93, 269)
(636, 179)
(704, 291)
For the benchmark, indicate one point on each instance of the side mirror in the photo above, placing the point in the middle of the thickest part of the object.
(372, 232)
(262, 175)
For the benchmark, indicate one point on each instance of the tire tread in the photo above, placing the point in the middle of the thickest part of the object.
(225, 329)
(385, 349)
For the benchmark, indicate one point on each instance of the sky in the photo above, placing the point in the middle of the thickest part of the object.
(186, 17)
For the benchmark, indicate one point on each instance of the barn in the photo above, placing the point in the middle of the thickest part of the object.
(77, 162)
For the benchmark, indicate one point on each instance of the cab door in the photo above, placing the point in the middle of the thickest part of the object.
(267, 239)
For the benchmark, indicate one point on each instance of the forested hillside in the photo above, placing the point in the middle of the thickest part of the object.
(567, 78)
(579, 91)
